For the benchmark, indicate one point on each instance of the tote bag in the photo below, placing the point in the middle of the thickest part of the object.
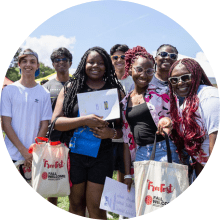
(158, 183)
(50, 175)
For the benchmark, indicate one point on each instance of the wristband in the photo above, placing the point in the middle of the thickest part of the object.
(115, 134)
(129, 176)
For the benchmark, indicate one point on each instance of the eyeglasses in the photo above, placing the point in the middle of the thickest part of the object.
(115, 57)
(149, 71)
(172, 56)
(57, 60)
(184, 78)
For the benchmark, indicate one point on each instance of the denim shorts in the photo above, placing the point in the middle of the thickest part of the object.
(144, 152)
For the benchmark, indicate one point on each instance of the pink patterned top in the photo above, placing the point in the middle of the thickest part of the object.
(158, 102)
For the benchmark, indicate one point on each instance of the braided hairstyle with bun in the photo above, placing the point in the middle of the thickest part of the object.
(78, 80)
(187, 133)
(132, 54)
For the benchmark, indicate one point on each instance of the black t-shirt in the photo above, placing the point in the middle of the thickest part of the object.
(142, 125)
(105, 143)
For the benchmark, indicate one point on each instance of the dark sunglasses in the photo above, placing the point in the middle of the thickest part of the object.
(184, 78)
(172, 56)
(57, 60)
(115, 57)
(150, 71)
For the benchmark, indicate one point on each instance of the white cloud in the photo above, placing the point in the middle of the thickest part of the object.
(45, 45)
(201, 59)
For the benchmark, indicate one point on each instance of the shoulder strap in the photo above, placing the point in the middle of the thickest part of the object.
(52, 127)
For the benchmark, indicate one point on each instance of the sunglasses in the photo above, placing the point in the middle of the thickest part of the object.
(172, 56)
(57, 60)
(150, 71)
(184, 78)
(115, 57)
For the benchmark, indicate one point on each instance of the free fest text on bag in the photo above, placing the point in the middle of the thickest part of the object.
(158, 183)
(50, 175)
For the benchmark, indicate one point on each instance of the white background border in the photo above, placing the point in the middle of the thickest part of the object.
(20, 18)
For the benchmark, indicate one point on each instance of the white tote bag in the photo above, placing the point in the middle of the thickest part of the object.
(50, 177)
(158, 183)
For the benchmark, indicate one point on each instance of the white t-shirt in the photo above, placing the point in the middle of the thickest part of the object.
(209, 109)
(27, 107)
(127, 84)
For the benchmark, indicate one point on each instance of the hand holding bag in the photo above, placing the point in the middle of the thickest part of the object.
(158, 183)
(50, 177)
(84, 142)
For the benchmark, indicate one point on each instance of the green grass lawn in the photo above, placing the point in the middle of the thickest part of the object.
(63, 202)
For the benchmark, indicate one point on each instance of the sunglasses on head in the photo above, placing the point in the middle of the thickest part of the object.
(115, 57)
(57, 60)
(149, 71)
(184, 78)
(172, 56)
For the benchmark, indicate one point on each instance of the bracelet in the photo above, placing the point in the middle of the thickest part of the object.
(115, 134)
(129, 176)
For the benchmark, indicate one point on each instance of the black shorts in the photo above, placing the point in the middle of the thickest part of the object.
(84, 168)
(118, 156)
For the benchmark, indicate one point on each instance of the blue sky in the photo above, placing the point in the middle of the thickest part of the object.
(106, 23)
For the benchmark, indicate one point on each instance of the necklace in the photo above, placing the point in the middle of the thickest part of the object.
(137, 99)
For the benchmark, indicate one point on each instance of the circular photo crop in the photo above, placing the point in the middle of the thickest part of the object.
(109, 109)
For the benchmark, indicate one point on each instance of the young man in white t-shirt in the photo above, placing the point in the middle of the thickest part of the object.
(25, 109)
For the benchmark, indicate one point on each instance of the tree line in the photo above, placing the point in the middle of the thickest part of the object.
(13, 69)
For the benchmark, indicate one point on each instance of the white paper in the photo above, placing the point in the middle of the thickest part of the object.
(102, 103)
(116, 198)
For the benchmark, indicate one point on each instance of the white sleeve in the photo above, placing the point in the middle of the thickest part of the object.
(47, 108)
(6, 103)
(210, 108)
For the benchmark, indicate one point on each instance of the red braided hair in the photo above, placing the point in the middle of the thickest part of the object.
(132, 54)
(187, 133)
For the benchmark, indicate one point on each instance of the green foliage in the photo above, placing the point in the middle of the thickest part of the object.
(45, 71)
(14, 62)
(13, 74)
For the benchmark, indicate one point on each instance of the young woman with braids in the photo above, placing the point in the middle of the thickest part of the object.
(145, 112)
(87, 174)
(196, 122)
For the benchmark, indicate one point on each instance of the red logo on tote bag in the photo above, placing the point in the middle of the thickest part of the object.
(148, 200)
(44, 175)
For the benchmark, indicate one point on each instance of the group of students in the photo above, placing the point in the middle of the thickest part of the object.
(157, 94)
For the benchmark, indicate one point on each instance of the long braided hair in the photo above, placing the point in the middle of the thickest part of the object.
(78, 80)
(132, 54)
(186, 130)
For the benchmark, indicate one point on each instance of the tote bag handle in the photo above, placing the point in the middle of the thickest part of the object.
(169, 155)
(50, 132)
(51, 128)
